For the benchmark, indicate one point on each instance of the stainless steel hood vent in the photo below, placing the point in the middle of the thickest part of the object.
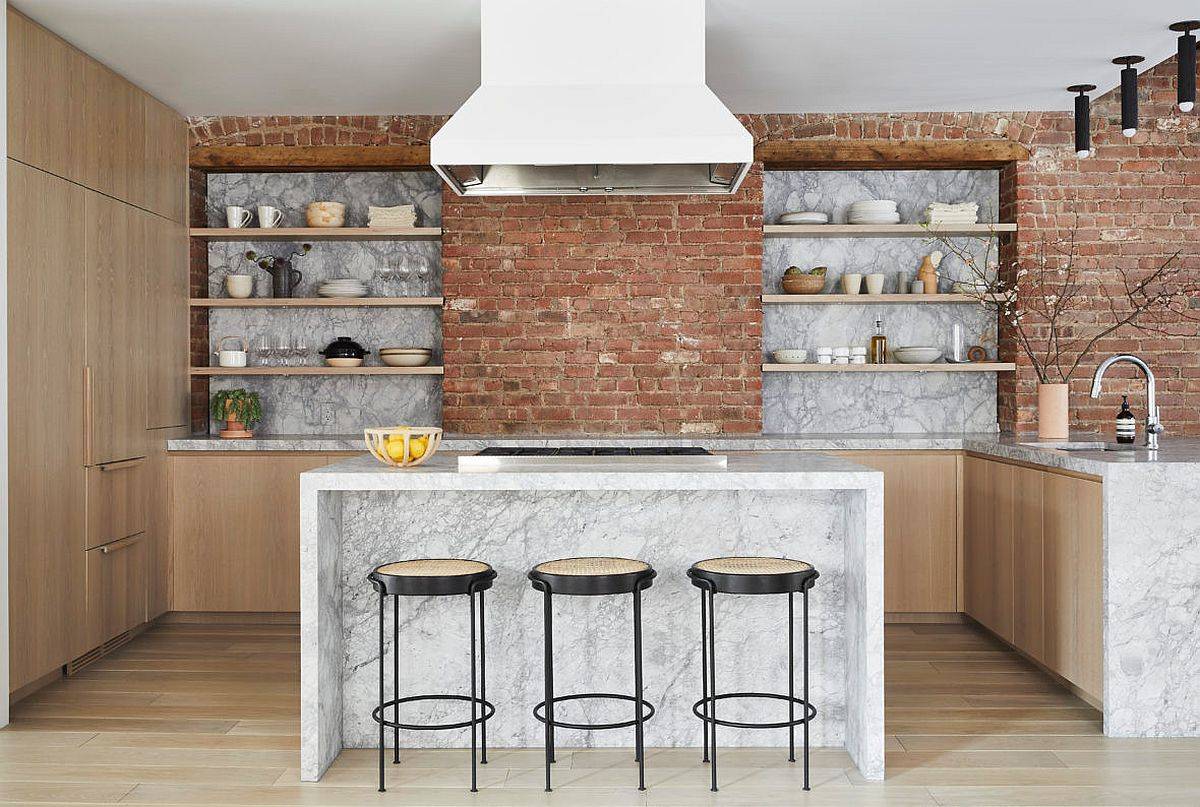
(604, 98)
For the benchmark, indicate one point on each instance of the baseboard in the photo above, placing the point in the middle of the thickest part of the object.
(229, 618)
(922, 618)
(33, 686)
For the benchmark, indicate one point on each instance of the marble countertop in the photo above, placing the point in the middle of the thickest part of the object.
(1177, 451)
(760, 470)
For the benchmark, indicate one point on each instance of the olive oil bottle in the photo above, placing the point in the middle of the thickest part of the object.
(878, 349)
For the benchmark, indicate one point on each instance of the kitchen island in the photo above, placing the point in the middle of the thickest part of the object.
(358, 514)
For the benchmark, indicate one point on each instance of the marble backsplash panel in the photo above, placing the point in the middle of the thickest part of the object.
(329, 405)
(514, 530)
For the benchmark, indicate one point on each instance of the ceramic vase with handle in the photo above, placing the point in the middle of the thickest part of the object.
(1053, 412)
(284, 279)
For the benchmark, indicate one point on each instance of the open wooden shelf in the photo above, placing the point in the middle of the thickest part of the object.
(315, 302)
(373, 370)
(317, 233)
(970, 367)
(863, 299)
(880, 230)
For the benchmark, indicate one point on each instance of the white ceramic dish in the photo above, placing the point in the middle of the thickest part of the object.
(808, 217)
(344, 362)
(790, 356)
(917, 354)
(405, 359)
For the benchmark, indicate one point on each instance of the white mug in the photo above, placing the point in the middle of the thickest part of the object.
(239, 286)
(875, 283)
(237, 217)
(268, 216)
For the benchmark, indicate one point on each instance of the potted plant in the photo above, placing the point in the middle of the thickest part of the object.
(239, 409)
(1057, 311)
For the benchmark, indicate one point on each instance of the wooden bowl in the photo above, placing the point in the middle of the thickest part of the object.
(378, 440)
(803, 284)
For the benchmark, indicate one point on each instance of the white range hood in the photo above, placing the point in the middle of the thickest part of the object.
(592, 98)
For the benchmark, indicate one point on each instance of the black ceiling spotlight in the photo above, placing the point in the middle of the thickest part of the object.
(1186, 93)
(1129, 104)
(1083, 119)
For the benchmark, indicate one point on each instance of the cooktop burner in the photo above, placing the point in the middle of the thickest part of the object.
(507, 458)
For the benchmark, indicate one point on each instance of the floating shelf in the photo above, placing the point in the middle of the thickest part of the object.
(971, 367)
(315, 302)
(317, 233)
(863, 299)
(880, 230)
(372, 370)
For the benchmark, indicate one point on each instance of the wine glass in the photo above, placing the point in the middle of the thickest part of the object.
(262, 350)
(299, 351)
(282, 349)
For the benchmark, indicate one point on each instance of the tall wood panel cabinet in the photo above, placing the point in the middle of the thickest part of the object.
(97, 347)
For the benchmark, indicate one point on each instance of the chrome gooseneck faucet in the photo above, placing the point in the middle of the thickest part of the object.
(1153, 426)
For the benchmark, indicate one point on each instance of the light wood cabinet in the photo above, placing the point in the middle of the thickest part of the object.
(1033, 548)
(158, 531)
(115, 249)
(116, 588)
(45, 419)
(166, 168)
(116, 501)
(167, 327)
(45, 85)
(114, 156)
(1072, 532)
(236, 530)
(920, 526)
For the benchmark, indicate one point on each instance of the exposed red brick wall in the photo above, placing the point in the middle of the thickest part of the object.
(618, 315)
(548, 284)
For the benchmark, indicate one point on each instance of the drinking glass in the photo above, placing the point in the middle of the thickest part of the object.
(282, 349)
(262, 350)
(299, 351)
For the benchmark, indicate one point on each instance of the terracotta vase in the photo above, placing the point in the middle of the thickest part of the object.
(1053, 411)
(234, 429)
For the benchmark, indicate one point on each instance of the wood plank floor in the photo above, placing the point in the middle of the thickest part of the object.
(190, 715)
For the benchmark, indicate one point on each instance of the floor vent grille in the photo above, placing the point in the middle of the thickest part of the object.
(98, 653)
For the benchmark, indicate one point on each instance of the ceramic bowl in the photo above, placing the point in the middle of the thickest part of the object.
(790, 356)
(917, 354)
(802, 284)
(405, 357)
(344, 362)
(325, 214)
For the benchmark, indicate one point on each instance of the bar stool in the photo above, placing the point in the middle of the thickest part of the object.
(431, 578)
(594, 577)
(751, 575)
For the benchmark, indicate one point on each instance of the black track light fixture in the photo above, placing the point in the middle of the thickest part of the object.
(1129, 101)
(1186, 61)
(1083, 119)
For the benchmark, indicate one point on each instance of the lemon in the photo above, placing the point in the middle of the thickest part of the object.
(395, 450)
(418, 446)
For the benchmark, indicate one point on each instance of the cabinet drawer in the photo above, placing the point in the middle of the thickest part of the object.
(116, 501)
(116, 588)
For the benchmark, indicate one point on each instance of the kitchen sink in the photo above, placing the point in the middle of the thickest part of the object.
(1080, 445)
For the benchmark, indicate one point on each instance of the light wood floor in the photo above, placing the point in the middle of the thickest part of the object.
(208, 715)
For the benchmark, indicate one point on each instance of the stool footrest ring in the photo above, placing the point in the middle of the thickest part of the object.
(488, 711)
(539, 711)
(810, 711)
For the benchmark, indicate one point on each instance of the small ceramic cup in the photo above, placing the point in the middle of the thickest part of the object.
(239, 286)
(269, 217)
(916, 287)
(875, 283)
(237, 217)
(852, 283)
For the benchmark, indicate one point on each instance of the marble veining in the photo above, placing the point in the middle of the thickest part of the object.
(318, 405)
(820, 508)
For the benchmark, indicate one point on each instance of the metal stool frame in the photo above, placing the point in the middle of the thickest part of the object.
(706, 707)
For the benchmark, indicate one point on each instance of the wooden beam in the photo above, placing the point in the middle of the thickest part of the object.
(866, 155)
(232, 159)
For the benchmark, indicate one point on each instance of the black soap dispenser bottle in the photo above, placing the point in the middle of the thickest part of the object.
(1126, 424)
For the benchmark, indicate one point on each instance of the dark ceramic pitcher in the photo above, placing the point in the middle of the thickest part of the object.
(284, 279)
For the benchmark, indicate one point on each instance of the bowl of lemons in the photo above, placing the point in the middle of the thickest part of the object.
(403, 446)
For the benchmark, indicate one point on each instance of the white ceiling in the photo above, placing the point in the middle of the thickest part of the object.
(237, 57)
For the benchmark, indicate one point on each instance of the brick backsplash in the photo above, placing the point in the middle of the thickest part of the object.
(625, 315)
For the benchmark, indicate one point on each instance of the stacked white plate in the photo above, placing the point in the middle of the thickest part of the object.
(873, 211)
(804, 217)
(342, 287)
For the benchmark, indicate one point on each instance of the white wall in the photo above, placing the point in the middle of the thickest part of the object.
(3, 372)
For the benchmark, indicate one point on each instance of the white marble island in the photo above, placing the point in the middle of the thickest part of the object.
(357, 514)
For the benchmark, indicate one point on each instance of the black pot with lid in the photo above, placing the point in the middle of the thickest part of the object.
(344, 348)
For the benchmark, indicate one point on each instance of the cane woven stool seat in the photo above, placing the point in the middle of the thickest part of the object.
(592, 576)
(432, 577)
(753, 575)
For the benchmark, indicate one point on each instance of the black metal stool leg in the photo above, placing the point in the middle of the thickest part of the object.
(396, 678)
(382, 728)
(474, 701)
(806, 709)
(704, 669)
(637, 686)
(482, 681)
(791, 679)
(712, 681)
(549, 680)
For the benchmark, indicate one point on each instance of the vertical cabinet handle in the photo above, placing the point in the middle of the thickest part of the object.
(87, 414)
